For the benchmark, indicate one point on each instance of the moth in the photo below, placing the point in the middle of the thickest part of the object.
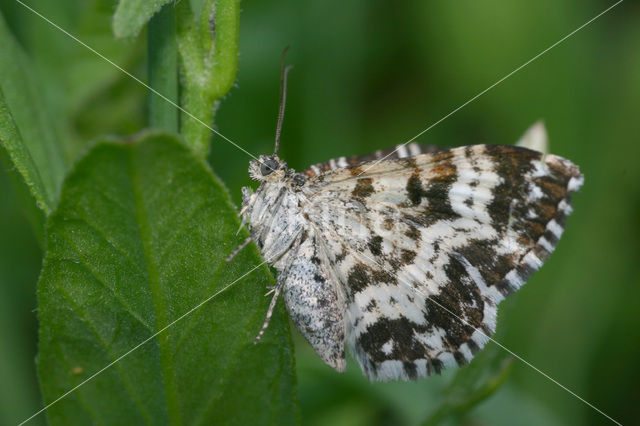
(403, 255)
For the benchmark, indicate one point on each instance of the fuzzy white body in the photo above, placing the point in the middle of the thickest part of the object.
(277, 217)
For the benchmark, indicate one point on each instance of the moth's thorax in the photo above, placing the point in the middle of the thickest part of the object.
(273, 212)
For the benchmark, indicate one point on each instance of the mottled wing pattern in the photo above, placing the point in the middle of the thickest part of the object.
(399, 151)
(424, 248)
(311, 297)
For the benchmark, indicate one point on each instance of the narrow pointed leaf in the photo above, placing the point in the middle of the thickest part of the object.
(27, 129)
(132, 15)
(139, 238)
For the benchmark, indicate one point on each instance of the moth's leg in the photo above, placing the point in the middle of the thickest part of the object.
(277, 288)
(272, 305)
(238, 249)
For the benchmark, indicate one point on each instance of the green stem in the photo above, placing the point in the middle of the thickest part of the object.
(208, 47)
(163, 70)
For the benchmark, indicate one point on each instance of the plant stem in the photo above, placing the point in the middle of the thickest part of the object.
(163, 70)
(208, 47)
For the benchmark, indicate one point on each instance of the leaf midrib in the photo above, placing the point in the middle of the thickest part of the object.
(160, 311)
(85, 264)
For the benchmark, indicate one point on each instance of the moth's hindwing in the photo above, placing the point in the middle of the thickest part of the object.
(424, 248)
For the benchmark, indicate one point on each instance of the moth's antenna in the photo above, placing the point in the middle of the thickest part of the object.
(283, 97)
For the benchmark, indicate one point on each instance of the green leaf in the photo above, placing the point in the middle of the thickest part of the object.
(138, 239)
(132, 15)
(88, 96)
(23, 172)
(27, 131)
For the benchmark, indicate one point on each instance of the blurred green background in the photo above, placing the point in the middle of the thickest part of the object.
(368, 75)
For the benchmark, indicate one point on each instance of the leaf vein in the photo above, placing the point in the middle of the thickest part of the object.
(127, 384)
(180, 230)
(103, 234)
(104, 284)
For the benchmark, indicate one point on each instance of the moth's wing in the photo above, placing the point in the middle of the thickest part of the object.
(311, 296)
(426, 247)
(399, 151)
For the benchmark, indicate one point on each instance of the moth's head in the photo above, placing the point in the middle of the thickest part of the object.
(267, 167)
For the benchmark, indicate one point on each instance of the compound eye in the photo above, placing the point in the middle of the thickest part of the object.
(268, 166)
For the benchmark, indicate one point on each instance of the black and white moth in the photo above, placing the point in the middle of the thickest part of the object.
(403, 256)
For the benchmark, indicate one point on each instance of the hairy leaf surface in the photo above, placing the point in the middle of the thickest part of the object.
(138, 239)
(27, 129)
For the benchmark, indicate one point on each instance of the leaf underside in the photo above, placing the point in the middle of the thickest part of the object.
(138, 239)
